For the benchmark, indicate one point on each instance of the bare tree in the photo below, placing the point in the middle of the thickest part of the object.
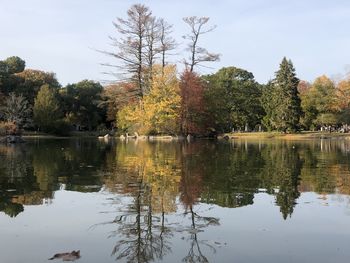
(16, 109)
(151, 50)
(143, 39)
(167, 43)
(132, 43)
(198, 54)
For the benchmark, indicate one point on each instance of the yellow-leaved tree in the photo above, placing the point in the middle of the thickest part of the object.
(162, 104)
(159, 110)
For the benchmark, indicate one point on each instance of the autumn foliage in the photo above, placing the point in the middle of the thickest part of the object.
(192, 103)
(158, 112)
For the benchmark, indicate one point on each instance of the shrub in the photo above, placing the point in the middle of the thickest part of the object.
(8, 128)
(61, 128)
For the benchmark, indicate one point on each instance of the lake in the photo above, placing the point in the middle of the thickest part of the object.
(206, 201)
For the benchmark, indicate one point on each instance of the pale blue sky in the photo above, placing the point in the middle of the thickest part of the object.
(61, 35)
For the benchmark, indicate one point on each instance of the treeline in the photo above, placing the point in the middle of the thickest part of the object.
(150, 96)
(153, 98)
(35, 100)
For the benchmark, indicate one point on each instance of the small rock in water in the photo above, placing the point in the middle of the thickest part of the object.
(67, 256)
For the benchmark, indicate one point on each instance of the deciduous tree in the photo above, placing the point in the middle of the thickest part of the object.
(29, 82)
(319, 103)
(232, 98)
(167, 43)
(16, 109)
(159, 111)
(198, 54)
(46, 108)
(131, 45)
(82, 104)
(192, 103)
(15, 64)
(162, 104)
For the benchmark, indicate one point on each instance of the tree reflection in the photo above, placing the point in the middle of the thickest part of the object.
(190, 191)
(16, 178)
(156, 183)
(232, 178)
(150, 177)
(31, 172)
(153, 175)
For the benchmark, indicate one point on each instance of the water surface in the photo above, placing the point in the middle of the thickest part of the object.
(239, 201)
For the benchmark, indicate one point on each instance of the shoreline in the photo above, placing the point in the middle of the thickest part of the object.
(221, 137)
(282, 136)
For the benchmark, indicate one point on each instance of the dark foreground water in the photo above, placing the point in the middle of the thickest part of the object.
(267, 201)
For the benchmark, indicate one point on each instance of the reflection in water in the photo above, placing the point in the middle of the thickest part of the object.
(18, 180)
(190, 190)
(149, 174)
(281, 171)
(156, 182)
(30, 173)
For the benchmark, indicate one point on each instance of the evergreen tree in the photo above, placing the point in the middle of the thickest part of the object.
(285, 109)
(268, 102)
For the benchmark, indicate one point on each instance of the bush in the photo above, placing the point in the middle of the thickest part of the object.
(61, 128)
(8, 128)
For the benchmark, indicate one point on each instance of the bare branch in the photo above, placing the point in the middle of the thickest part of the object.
(198, 54)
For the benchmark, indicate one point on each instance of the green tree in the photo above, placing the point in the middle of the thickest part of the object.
(3, 78)
(284, 108)
(233, 99)
(269, 103)
(29, 82)
(81, 104)
(46, 109)
(8, 68)
(320, 104)
(15, 64)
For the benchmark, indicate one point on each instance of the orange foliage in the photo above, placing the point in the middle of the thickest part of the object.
(192, 103)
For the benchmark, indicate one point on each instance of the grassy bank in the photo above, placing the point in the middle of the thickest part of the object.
(293, 136)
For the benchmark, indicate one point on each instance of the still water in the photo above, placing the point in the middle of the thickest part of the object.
(239, 201)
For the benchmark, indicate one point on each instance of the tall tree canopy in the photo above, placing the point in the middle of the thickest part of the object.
(233, 99)
(192, 104)
(46, 108)
(29, 82)
(15, 64)
(319, 103)
(159, 111)
(8, 68)
(82, 104)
